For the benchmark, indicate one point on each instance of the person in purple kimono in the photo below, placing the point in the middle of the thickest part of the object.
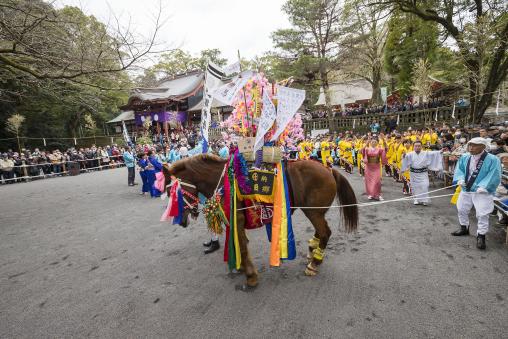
(143, 164)
(153, 166)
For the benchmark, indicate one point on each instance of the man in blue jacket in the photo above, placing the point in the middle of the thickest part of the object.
(130, 163)
(479, 175)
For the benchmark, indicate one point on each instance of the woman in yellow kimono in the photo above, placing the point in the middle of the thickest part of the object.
(326, 156)
(426, 139)
(359, 145)
(305, 150)
(433, 137)
(346, 151)
(392, 160)
(389, 154)
(401, 152)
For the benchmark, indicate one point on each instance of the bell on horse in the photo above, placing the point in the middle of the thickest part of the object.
(313, 185)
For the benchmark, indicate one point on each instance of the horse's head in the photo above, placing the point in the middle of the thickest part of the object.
(197, 174)
(188, 188)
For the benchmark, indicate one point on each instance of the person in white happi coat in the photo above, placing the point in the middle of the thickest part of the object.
(479, 174)
(419, 163)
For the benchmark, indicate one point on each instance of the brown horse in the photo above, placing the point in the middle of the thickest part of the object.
(313, 185)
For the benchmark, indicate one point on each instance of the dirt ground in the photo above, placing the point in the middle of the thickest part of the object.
(86, 256)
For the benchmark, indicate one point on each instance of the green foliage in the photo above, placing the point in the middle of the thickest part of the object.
(409, 39)
(143, 140)
(309, 50)
(63, 68)
(478, 31)
(178, 62)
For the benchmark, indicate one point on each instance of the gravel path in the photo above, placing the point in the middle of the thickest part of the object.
(86, 256)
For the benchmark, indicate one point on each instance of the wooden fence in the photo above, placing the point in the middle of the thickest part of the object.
(414, 119)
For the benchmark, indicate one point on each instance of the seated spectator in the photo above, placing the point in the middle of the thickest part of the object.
(7, 168)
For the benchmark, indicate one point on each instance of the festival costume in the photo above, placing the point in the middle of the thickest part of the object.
(404, 175)
(224, 152)
(155, 167)
(142, 173)
(346, 154)
(418, 165)
(433, 138)
(173, 156)
(426, 141)
(325, 153)
(373, 158)
(478, 187)
(359, 144)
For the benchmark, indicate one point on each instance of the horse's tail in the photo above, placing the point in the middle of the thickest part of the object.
(346, 196)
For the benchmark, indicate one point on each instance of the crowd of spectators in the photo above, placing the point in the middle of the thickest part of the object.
(37, 163)
(394, 106)
(40, 163)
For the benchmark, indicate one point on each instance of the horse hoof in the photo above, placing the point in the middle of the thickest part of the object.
(245, 288)
(311, 271)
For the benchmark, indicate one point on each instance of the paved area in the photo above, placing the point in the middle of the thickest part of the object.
(86, 256)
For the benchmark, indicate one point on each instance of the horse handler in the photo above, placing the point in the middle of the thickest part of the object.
(479, 175)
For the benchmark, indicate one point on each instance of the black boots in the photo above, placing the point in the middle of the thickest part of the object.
(480, 242)
(480, 239)
(463, 230)
(214, 246)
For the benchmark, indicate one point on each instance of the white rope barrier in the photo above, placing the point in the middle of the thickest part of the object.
(364, 204)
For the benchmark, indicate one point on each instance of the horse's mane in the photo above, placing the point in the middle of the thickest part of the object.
(200, 163)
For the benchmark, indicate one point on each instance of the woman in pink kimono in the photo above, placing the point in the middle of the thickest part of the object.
(373, 157)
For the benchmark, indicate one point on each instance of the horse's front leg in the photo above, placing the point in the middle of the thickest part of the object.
(249, 269)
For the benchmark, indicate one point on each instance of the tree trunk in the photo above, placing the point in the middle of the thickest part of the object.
(376, 86)
(326, 90)
(473, 100)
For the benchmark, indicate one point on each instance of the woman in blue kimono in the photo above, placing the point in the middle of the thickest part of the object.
(173, 155)
(154, 166)
(143, 163)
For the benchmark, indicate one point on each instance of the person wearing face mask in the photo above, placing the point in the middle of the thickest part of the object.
(479, 174)
(462, 148)
(495, 148)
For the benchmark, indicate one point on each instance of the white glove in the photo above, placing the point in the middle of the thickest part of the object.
(481, 190)
(461, 183)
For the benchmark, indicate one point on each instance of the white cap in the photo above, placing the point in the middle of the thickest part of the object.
(480, 141)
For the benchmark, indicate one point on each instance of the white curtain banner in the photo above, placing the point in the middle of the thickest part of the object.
(213, 79)
(233, 68)
(453, 110)
(384, 93)
(126, 137)
(289, 101)
(226, 93)
(268, 115)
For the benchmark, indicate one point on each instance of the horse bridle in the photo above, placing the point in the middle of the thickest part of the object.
(193, 206)
(194, 203)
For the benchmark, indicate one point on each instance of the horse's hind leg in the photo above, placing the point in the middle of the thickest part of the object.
(317, 245)
(313, 244)
(249, 269)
